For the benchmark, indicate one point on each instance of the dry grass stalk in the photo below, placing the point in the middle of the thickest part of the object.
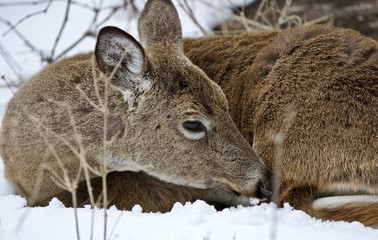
(61, 177)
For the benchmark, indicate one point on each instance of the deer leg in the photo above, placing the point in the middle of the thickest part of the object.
(300, 197)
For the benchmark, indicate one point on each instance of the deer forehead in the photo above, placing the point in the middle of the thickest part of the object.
(178, 70)
(182, 81)
(196, 93)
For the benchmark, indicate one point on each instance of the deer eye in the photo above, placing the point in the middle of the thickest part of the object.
(194, 126)
(194, 129)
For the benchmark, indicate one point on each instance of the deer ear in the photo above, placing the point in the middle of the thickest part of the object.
(159, 22)
(121, 57)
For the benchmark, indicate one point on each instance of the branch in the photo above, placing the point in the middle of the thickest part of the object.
(189, 11)
(12, 63)
(22, 37)
(28, 16)
(60, 31)
(7, 84)
(91, 31)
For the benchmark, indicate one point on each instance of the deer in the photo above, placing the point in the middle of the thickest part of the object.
(139, 108)
(306, 100)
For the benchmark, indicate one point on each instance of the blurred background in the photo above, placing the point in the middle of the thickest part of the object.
(34, 33)
(361, 15)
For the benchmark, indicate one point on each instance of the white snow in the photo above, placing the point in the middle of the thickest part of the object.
(191, 221)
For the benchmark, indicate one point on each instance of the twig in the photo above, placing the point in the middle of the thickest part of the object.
(67, 184)
(111, 13)
(105, 145)
(238, 18)
(74, 203)
(60, 30)
(7, 84)
(35, 3)
(259, 13)
(189, 11)
(22, 37)
(12, 4)
(90, 32)
(28, 16)
(73, 45)
(92, 29)
(322, 19)
(12, 63)
(273, 9)
(38, 124)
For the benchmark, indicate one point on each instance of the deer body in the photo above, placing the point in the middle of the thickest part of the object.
(306, 99)
(127, 107)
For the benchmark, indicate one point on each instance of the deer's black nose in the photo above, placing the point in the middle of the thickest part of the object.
(265, 189)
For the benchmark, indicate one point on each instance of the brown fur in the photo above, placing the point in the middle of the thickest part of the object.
(126, 189)
(365, 213)
(154, 90)
(306, 99)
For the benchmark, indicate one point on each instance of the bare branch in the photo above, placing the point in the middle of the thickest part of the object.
(90, 32)
(8, 84)
(60, 30)
(28, 16)
(14, 66)
(15, 4)
(35, 3)
(189, 11)
(236, 17)
(73, 45)
(22, 37)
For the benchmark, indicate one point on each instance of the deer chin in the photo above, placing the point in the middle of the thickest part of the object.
(224, 198)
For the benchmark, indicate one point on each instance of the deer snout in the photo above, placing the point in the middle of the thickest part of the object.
(265, 189)
(255, 184)
(265, 186)
(259, 186)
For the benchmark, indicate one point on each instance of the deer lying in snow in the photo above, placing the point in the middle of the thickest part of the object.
(306, 99)
(159, 114)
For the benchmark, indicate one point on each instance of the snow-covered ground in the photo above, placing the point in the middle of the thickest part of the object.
(192, 221)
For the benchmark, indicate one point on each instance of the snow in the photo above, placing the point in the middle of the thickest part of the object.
(192, 221)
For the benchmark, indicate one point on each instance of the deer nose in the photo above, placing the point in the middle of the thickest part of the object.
(264, 190)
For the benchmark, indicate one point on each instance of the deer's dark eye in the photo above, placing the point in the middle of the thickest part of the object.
(194, 126)
(194, 129)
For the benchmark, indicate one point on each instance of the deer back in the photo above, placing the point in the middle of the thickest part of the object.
(306, 99)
